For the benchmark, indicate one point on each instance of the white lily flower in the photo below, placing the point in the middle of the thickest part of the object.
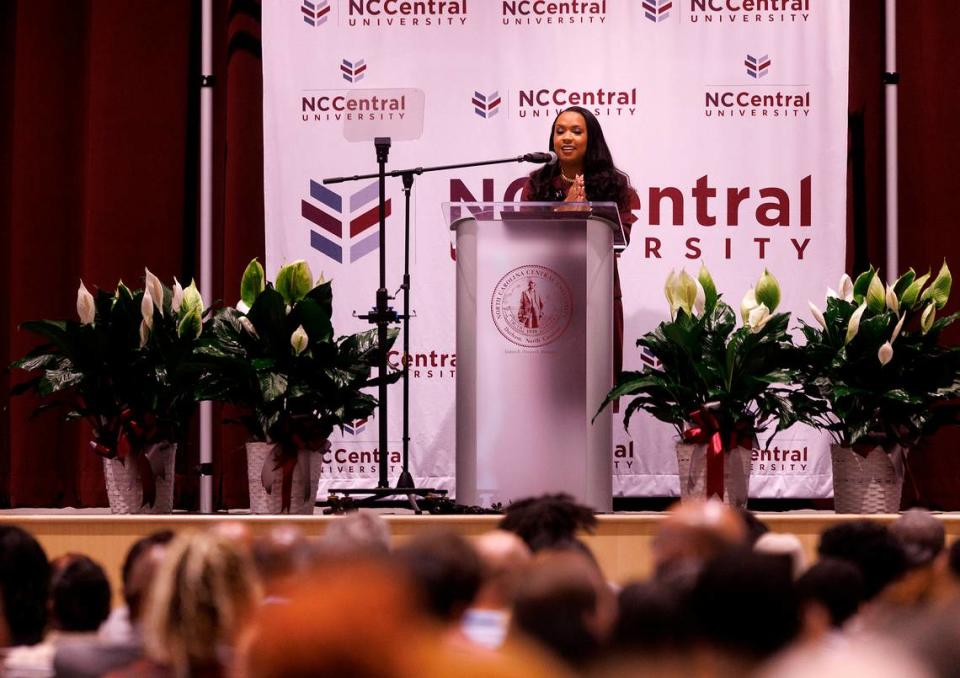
(748, 303)
(146, 308)
(896, 330)
(854, 325)
(299, 340)
(846, 288)
(817, 314)
(885, 353)
(891, 299)
(242, 307)
(86, 308)
(248, 326)
(177, 296)
(668, 292)
(144, 333)
(758, 317)
(155, 287)
(700, 299)
(928, 316)
(831, 293)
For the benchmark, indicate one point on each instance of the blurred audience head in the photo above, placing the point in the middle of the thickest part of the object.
(786, 545)
(744, 608)
(359, 533)
(280, 554)
(756, 528)
(139, 568)
(202, 596)
(346, 618)
(79, 594)
(547, 520)
(558, 604)
(651, 620)
(503, 555)
(25, 585)
(695, 531)
(830, 593)
(445, 570)
(357, 618)
(921, 535)
(871, 547)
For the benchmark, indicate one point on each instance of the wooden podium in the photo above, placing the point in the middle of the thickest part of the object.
(534, 349)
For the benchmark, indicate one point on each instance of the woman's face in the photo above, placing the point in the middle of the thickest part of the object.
(570, 138)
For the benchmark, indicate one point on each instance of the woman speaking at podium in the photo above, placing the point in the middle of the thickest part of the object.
(585, 173)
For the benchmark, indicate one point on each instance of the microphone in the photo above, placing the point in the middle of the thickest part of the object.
(547, 158)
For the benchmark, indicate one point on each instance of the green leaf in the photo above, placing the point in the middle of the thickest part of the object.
(252, 283)
(190, 324)
(315, 320)
(767, 291)
(903, 282)
(939, 290)
(294, 281)
(862, 284)
(912, 294)
(272, 385)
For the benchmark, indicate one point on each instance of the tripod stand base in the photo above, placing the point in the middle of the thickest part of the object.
(418, 499)
(405, 481)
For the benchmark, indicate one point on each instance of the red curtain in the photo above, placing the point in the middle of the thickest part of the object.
(98, 178)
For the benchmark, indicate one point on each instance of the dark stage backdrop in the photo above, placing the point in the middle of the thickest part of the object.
(98, 170)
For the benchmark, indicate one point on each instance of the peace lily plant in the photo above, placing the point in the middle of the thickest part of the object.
(122, 367)
(876, 360)
(275, 356)
(718, 384)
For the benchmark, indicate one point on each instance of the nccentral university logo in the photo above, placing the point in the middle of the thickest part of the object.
(315, 13)
(353, 71)
(757, 67)
(346, 223)
(531, 306)
(657, 10)
(486, 105)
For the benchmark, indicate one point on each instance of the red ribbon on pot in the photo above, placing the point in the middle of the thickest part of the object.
(285, 461)
(132, 434)
(707, 430)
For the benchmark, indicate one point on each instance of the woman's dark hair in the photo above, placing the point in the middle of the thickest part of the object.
(602, 180)
(79, 593)
(545, 521)
(25, 583)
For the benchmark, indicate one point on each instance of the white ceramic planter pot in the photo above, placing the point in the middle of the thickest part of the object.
(867, 484)
(692, 468)
(125, 489)
(266, 481)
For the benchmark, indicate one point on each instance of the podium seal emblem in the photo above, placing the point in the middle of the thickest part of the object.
(532, 306)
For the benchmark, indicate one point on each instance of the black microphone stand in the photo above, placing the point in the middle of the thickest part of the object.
(383, 315)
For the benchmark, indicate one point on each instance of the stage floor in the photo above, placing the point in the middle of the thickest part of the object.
(621, 541)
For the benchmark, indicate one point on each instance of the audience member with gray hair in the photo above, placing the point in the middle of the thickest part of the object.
(361, 533)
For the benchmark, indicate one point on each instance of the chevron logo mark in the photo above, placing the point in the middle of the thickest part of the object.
(344, 222)
(757, 67)
(486, 105)
(353, 71)
(356, 427)
(315, 13)
(649, 361)
(657, 10)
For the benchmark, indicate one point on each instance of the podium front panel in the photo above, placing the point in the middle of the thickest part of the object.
(534, 359)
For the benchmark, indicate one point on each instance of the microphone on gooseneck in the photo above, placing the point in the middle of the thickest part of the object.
(547, 158)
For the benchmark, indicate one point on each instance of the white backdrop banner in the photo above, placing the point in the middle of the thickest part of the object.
(728, 115)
